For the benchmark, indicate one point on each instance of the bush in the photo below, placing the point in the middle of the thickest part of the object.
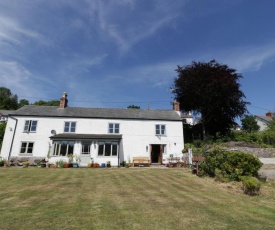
(232, 165)
(251, 185)
(269, 137)
(61, 164)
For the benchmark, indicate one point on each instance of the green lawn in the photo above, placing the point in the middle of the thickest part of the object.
(138, 198)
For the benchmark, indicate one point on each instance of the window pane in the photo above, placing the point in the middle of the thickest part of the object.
(114, 149)
(73, 126)
(56, 149)
(111, 128)
(157, 130)
(86, 147)
(101, 149)
(66, 127)
(163, 129)
(30, 147)
(23, 147)
(33, 126)
(116, 128)
(26, 127)
(63, 149)
(107, 149)
(70, 147)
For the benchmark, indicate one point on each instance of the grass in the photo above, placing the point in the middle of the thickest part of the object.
(139, 198)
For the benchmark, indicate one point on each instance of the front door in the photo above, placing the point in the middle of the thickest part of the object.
(85, 156)
(156, 154)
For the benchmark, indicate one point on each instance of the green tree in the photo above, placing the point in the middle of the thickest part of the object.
(212, 90)
(7, 99)
(133, 107)
(249, 124)
(47, 103)
(271, 125)
(22, 103)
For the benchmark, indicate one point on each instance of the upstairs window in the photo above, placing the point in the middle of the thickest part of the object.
(69, 127)
(26, 147)
(160, 130)
(30, 126)
(113, 128)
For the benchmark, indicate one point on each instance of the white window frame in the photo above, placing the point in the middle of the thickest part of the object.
(30, 126)
(113, 127)
(89, 144)
(69, 126)
(26, 147)
(57, 148)
(160, 129)
(103, 144)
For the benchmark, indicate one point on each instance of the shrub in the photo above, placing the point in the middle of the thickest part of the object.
(251, 185)
(61, 164)
(232, 165)
(269, 137)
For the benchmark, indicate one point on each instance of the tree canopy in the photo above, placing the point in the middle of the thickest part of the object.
(8, 101)
(133, 107)
(212, 90)
(47, 103)
(249, 124)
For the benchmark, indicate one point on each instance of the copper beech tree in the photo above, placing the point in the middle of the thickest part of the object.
(211, 90)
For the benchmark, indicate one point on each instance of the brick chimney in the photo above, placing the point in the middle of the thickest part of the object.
(269, 114)
(176, 106)
(63, 101)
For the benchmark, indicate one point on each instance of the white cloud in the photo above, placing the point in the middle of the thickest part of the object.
(21, 81)
(14, 76)
(12, 31)
(247, 58)
(126, 26)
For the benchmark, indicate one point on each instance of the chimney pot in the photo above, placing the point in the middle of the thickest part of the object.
(176, 106)
(63, 101)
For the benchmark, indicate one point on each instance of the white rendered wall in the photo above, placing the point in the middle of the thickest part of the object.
(137, 136)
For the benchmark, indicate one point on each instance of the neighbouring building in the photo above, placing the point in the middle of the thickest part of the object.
(263, 121)
(93, 134)
(4, 115)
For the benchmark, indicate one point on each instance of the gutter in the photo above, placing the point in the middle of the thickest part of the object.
(12, 135)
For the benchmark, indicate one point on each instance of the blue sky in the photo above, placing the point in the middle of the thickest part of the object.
(121, 52)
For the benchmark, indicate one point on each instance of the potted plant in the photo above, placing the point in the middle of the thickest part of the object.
(43, 163)
(108, 164)
(6, 163)
(61, 164)
(70, 159)
(76, 163)
(26, 164)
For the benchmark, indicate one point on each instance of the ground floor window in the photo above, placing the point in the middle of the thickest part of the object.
(63, 148)
(26, 147)
(107, 148)
(86, 148)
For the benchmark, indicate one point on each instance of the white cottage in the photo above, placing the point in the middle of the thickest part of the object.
(93, 134)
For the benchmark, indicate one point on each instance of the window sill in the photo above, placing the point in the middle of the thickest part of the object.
(25, 154)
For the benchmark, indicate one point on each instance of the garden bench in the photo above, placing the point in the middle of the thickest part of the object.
(141, 161)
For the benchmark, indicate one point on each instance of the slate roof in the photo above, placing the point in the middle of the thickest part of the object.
(73, 136)
(265, 118)
(6, 112)
(107, 113)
